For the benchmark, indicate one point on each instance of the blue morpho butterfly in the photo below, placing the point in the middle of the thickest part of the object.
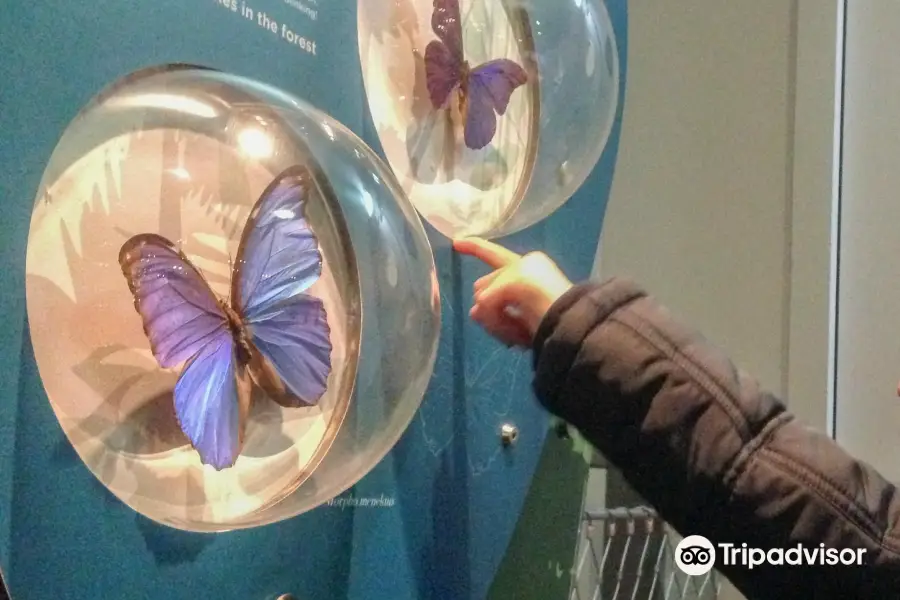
(482, 91)
(271, 332)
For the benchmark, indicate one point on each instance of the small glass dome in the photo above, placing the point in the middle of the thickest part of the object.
(274, 224)
(492, 113)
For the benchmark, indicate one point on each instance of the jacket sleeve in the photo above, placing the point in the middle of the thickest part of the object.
(716, 455)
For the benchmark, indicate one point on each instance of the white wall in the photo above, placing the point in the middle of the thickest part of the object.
(720, 204)
(868, 367)
(699, 209)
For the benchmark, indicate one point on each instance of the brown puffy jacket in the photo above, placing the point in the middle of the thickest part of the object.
(714, 453)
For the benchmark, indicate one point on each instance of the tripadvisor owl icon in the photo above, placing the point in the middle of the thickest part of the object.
(695, 555)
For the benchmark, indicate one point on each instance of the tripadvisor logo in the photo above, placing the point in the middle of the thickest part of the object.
(696, 555)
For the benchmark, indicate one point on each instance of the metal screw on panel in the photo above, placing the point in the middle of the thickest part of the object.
(509, 433)
(285, 597)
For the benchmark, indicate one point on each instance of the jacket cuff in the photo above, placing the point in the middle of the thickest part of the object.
(563, 329)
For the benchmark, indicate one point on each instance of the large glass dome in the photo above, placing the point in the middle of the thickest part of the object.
(218, 175)
(492, 113)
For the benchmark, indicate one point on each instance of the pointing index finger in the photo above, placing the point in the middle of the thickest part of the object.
(492, 254)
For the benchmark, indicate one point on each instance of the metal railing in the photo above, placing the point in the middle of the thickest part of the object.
(628, 554)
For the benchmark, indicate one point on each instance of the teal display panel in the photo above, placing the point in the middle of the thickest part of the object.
(457, 493)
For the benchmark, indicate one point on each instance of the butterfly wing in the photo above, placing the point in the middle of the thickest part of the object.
(212, 399)
(447, 25)
(490, 87)
(179, 312)
(184, 322)
(443, 73)
(294, 338)
(278, 260)
(444, 56)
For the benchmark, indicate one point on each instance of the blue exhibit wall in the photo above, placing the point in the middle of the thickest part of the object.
(458, 488)
(458, 494)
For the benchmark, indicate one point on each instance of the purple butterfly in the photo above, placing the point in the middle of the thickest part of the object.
(482, 91)
(271, 332)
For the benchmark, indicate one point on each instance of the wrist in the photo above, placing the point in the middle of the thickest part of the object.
(551, 296)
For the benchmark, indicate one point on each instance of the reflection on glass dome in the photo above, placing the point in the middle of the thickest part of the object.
(276, 325)
(492, 113)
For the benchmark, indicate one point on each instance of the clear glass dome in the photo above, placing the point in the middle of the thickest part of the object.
(185, 153)
(559, 69)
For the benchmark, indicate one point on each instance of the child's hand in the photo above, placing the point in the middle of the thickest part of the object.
(511, 301)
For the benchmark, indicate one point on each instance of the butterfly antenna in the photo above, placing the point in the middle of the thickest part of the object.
(231, 274)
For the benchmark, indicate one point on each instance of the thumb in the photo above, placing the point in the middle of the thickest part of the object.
(508, 330)
(508, 299)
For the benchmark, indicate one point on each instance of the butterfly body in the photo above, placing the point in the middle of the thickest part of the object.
(270, 332)
(242, 346)
(463, 95)
(484, 91)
